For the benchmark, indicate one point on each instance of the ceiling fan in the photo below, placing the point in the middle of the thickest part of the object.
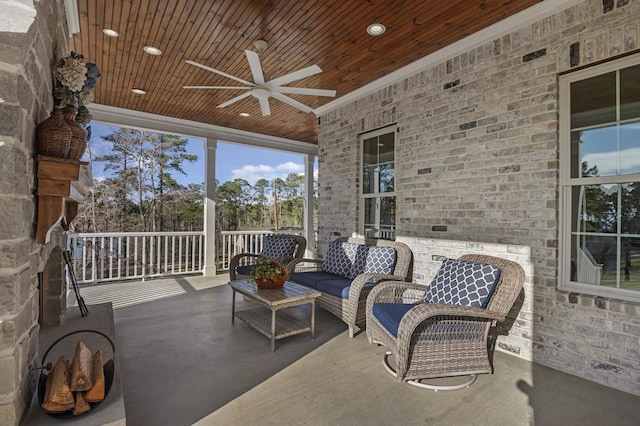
(263, 90)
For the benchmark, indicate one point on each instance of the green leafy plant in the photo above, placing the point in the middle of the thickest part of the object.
(267, 268)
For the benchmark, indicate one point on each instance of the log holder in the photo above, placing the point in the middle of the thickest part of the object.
(108, 367)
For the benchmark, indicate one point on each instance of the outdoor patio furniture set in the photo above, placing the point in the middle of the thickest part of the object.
(446, 329)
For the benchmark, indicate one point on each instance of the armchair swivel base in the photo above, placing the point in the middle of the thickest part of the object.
(418, 383)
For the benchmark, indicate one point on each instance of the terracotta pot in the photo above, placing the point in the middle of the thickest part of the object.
(275, 282)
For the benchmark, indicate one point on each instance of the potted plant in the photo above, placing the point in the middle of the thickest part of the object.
(269, 273)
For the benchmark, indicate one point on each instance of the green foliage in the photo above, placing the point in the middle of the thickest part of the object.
(142, 193)
(267, 268)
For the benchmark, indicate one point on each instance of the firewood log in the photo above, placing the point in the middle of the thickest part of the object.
(81, 406)
(81, 368)
(96, 393)
(58, 397)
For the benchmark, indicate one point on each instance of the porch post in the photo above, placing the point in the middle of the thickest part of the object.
(309, 233)
(210, 208)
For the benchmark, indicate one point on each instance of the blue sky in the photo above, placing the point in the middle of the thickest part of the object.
(232, 160)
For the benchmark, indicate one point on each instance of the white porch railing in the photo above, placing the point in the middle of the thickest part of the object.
(102, 257)
(99, 257)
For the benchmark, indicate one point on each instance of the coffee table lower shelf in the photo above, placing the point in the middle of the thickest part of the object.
(260, 319)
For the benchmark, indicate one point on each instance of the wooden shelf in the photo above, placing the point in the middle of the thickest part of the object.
(62, 185)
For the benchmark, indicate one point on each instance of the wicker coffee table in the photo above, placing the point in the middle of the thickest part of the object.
(264, 319)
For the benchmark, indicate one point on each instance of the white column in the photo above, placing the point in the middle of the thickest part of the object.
(210, 208)
(308, 205)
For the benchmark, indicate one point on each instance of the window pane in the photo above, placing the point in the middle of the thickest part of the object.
(385, 148)
(595, 208)
(593, 101)
(370, 153)
(379, 217)
(596, 152)
(630, 148)
(591, 257)
(387, 176)
(630, 93)
(630, 263)
(630, 208)
(368, 173)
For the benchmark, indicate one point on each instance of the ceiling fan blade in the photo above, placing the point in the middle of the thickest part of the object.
(216, 87)
(296, 75)
(264, 106)
(224, 74)
(304, 91)
(256, 67)
(234, 100)
(292, 102)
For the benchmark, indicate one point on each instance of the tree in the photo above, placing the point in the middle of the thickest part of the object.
(140, 184)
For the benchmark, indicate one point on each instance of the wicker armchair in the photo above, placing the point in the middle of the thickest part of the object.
(441, 340)
(284, 247)
(351, 310)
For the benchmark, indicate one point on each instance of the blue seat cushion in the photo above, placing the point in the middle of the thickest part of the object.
(390, 314)
(338, 287)
(311, 278)
(245, 269)
(465, 283)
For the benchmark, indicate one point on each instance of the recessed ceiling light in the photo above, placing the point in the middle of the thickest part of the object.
(152, 50)
(139, 91)
(376, 29)
(110, 32)
(244, 114)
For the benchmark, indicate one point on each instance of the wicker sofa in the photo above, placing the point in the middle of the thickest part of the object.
(348, 272)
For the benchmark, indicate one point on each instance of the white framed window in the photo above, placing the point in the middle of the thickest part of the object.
(378, 197)
(600, 180)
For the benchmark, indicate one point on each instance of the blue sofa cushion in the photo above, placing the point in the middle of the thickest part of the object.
(279, 246)
(340, 258)
(460, 282)
(311, 279)
(338, 287)
(380, 260)
(390, 314)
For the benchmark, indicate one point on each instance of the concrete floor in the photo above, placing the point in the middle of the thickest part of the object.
(184, 363)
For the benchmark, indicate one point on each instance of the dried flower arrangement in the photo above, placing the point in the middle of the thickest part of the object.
(75, 83)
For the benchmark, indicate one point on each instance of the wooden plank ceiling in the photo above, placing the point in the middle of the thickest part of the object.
(329, 33)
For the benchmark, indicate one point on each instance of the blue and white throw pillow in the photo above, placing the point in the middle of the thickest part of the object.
(340, 258)
(279, 246)
(380, 260)
(461, 282)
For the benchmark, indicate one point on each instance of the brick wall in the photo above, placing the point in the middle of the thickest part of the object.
(477, 163)
(32, 39)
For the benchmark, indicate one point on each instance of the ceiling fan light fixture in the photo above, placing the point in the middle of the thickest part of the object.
(244, 114)
(376, 29)
(109, 32)
(152, 50)
(139, 91)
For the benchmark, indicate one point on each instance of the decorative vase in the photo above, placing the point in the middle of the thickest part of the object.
(54, 136)
(273, 282)
(78, 136)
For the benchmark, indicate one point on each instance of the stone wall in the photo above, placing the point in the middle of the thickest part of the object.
(30, 41)
(477, 163)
